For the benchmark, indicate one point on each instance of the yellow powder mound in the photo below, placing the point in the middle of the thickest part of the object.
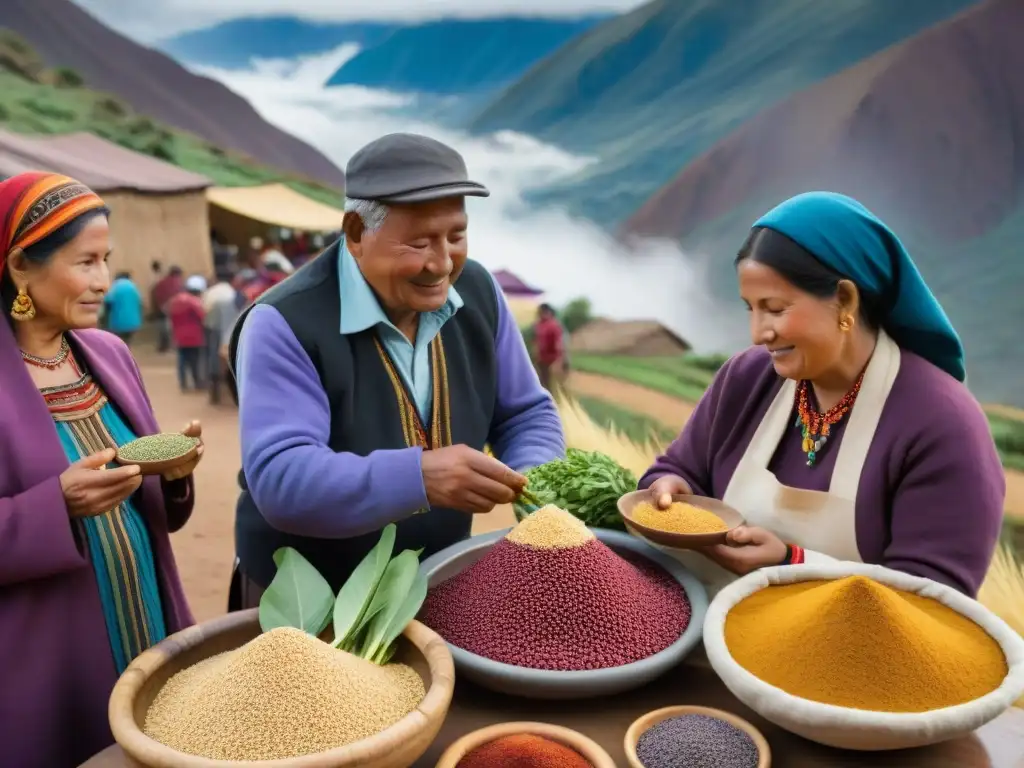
(856, 643)
(678, 518)
(282, 695)
(551, 528)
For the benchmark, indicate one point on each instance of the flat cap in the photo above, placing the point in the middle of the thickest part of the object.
(408, 168)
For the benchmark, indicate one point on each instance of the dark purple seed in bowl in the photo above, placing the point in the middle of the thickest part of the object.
(696, 741)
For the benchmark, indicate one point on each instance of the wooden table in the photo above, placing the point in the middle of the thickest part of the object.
(1000, 744)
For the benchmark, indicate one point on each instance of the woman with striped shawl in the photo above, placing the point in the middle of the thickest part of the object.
(87, 577)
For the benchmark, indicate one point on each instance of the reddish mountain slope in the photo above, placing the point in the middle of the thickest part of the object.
(932, 128)
(157, 86)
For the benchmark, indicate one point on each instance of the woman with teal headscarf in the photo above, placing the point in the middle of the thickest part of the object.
(846, 432)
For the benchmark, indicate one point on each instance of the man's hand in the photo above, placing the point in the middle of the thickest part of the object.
(459, 477)
(747, 549)
(664, 488)
(90, 489)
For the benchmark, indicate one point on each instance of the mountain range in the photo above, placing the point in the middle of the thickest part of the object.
(155, 85)
(456, 56)
(443, 57)
(649, 91)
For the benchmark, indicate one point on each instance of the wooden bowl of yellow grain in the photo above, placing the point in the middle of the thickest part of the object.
(589, 749)
(398, 746)
(727, 516)
(644, 723)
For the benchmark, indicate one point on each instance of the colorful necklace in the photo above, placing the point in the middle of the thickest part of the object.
(816, 426)
(49, 363)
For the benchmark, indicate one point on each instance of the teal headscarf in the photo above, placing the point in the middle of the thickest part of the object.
(847, 237)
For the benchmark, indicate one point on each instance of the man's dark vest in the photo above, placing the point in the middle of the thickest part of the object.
(366, 413)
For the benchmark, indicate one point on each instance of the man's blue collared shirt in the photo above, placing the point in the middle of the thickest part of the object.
(361, 311)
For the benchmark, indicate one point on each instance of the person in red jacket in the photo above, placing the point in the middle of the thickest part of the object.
(550, 347)
(185, 312)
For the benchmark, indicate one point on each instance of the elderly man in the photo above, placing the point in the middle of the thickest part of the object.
(370, 381)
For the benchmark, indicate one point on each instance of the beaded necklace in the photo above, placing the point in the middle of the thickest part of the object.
(49, 363)
(814, 425)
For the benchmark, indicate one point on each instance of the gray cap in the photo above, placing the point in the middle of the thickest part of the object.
(408, 168)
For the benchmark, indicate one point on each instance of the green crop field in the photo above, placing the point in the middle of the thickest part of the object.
(635, 426)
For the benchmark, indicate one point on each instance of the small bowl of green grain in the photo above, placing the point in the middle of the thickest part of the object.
(158, 454)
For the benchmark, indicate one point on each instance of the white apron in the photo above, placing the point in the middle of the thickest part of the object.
(824, 524)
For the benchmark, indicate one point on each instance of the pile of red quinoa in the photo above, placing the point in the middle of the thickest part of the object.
(554, 607)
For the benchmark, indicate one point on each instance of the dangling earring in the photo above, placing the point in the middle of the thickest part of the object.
(846, 323)
(23, 308)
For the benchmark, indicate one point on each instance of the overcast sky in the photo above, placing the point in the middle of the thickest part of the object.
(150, 20)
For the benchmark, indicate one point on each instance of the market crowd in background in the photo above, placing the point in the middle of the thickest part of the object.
(194, 314)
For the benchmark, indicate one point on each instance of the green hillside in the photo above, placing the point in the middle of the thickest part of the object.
(38, 101)
(648, 91)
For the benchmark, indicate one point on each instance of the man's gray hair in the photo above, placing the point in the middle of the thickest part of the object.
(371, 212)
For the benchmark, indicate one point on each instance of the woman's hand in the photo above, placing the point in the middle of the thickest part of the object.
(192, 429)
(667, 486)
(90, 489)
(747, 549)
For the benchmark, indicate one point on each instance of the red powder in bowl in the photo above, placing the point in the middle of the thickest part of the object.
(559, 609)
(523, 750)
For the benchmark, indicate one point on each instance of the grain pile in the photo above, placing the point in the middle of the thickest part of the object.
(678, 518)
(284, 694)
(162, 447)
(856, 643)
(696, 741)
(551, 596)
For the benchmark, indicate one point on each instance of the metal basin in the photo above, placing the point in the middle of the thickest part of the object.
(583, 684)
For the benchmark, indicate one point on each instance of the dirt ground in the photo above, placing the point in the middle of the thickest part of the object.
(205, 547)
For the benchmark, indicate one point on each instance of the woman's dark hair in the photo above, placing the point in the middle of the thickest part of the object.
(804, 270)
(41, 252)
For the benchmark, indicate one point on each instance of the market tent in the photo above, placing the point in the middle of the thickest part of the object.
(239, 213)
(158, 211)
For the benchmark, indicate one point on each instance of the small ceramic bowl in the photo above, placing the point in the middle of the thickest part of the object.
(588, 748)
(643, 724)
(162, 466)
(727, 514)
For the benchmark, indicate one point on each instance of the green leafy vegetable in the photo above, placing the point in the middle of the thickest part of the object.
(372, 609)
(298, 596)
(357, 593)
(395, 585)
(587, 484)
(406, 613)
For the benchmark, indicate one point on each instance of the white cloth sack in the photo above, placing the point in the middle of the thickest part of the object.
(858, 729)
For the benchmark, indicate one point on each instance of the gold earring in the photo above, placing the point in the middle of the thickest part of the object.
(846, 323)
(23, 308)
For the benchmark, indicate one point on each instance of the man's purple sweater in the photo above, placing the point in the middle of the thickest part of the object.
(302, 487)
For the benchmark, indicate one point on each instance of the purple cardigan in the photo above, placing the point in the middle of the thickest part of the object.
(931, 494)
(56, 667)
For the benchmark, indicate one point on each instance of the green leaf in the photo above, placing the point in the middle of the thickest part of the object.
(356, 594)
(406, 613)
(391, 593)
(298, 596)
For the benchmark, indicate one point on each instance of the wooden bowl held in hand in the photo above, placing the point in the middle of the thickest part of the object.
(588, 748)
(399, 746)
(159, 466)
(643, 724)
(727, 514)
